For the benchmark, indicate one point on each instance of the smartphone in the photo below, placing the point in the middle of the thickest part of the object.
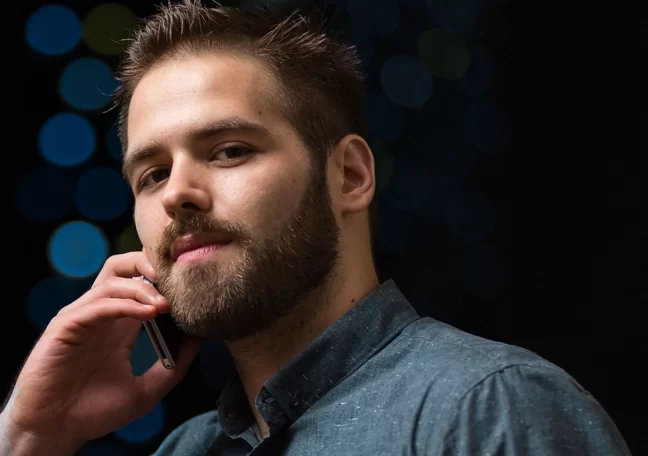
(165, 336)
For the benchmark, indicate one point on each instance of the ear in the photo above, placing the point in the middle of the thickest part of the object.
(353, 176)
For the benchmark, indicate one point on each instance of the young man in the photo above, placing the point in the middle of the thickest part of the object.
(244, 139)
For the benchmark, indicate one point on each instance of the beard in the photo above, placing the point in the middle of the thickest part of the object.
(264, 280)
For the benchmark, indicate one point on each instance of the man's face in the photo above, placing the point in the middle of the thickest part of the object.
(249, 191)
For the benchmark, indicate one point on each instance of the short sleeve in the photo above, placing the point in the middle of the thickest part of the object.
(531, 410)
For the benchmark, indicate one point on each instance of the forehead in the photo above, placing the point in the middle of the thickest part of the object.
(178, 94)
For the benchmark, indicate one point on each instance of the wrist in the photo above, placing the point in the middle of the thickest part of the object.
(24, 444)
(15, 441)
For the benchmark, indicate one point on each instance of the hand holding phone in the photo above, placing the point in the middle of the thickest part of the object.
(77, 383)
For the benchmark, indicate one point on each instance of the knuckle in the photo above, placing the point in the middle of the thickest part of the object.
(104, 287)
(112, 260)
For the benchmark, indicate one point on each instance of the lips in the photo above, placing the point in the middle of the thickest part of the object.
(195, 241)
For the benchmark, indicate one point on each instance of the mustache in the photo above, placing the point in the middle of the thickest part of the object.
(197, 224)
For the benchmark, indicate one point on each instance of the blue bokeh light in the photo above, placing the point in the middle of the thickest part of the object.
(146, 427)
(102, 194)
(44, 194)
(67, 139)
(385, 118)
(406, 81)
(53, 30)
(143, 355)
(470, 215)
(77, 249)
(49, 296)
(87, 83)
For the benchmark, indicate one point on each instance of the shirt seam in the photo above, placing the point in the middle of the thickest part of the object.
(500, 370)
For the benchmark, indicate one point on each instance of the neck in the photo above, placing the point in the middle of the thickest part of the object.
(259, 357)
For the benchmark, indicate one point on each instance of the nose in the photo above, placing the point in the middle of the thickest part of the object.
(186, 190)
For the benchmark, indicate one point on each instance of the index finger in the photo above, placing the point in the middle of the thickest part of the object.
(129, 265)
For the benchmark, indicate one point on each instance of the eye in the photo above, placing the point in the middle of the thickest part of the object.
(152, 177)
(233, 153)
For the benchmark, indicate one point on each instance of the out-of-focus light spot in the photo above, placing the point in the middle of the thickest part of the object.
(102, 194)
(486, 128)
(384, 163)
(128, 240)
(406, 81)
(146, 427)
(53, 30)
(458, 15)
(77, 249)
(87, 83)
(49, 296)
(445, 52)
(101, 448)
(67, 139)
(486, 272)
(368, 17)
(479, 74)
(106, 26)
(446, 154)
(44, 194)
(143, 355)
(385, 118)
(470, 215)
(113, 144)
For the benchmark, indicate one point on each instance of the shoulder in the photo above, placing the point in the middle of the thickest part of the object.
(499, 398)
(530, 409)
(451, 362)
(194, 436)
(427, 335)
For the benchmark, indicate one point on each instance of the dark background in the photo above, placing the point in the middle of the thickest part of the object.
(567, 229)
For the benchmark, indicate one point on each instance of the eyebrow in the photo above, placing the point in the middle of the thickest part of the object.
(235, 123)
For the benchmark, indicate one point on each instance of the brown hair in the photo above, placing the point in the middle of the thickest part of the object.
(321, 85)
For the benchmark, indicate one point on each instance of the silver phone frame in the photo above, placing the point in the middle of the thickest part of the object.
(159, 344)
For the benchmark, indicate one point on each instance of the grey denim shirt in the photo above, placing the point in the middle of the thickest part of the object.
(382, 380)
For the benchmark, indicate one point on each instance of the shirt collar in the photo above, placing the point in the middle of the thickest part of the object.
(334, 354)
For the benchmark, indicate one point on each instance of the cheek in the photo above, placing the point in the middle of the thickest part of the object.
(264, 201)
(145, 225)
